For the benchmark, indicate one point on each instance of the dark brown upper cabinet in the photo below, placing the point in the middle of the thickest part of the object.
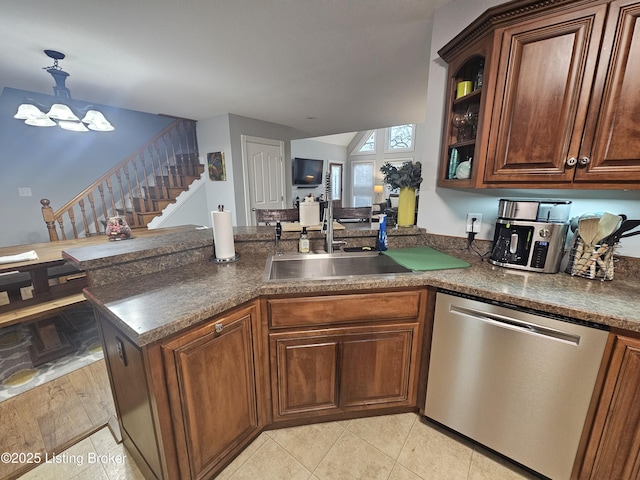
(559, 102)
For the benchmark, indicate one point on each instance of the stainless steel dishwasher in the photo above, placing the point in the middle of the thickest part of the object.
(513, 380)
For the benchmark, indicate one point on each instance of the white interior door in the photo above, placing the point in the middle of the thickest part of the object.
(264, 180)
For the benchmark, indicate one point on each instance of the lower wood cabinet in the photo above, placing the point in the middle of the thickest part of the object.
(189, 404)
(212, 392)
(613, 449)
(319, 372)
(368, 363)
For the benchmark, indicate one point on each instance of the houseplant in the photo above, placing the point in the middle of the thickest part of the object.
(406, 179)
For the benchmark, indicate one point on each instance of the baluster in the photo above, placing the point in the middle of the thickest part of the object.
(194, 138)
(158, 188)
(143, 199)
(105, 212)
(72, 220)
(113, 203)
(164, 182)
(178, 170)
(134, 214)
(191, 142)
(87, 233)
(61, 226)
(122, 198)
(47, 215)
(167, 160)
(93, 212)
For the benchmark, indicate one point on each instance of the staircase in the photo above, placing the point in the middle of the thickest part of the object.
(139, 187)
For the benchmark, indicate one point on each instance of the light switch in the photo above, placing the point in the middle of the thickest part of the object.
(24, 192)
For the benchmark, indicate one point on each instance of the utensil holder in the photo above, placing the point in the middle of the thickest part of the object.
(591, 261)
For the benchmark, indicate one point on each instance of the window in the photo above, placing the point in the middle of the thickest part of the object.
(336, 181)
(400, 138)
(367, 145)
(362, 174)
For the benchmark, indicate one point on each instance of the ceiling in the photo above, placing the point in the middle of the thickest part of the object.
(318, 66)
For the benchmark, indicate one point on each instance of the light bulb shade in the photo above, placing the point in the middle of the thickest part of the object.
(43, 121)
(378, 188)
(26, 110)
(101, 127)
(73, 126)
(91, 115)
(59, 111)
(96, 121)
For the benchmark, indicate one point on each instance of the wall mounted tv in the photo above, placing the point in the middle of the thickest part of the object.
(307, 172)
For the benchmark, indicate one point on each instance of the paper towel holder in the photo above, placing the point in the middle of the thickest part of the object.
(223, 261)
(214, 258)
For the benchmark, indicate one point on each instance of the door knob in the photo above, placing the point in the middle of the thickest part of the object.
(219, 327)
(584, 161)
(571, 162)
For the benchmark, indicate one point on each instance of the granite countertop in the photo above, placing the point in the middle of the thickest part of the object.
(157, 305)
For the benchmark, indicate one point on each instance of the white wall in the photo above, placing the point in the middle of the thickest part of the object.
(443, 211)
(192, 208)
(214, 136)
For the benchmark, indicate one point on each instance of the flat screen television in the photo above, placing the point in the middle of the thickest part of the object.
(307, 172)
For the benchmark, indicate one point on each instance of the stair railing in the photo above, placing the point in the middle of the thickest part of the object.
(131, 188)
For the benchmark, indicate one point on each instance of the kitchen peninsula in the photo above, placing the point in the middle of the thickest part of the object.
(216, 354)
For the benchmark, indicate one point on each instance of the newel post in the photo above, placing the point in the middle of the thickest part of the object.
(47, 214)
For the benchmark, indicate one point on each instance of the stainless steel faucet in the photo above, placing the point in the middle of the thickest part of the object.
(327, 225)
(278, 250)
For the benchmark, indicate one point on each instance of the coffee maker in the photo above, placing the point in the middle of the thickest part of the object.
(530, 234)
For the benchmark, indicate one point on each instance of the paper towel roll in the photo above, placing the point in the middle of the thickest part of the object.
(223, 235)
(309, 213)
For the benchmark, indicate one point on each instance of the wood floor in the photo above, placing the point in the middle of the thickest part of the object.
(54, 416)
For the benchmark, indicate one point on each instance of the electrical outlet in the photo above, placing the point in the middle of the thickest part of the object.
(474, 225)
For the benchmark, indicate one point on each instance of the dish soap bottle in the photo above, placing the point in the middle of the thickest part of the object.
(303, 243)
(382, 233)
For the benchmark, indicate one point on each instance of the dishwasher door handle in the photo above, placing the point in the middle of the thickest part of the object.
(516, 325)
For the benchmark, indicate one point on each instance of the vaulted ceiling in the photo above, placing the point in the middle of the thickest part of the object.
(318, 66)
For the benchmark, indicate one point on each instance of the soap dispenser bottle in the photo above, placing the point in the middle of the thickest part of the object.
(303, 244)
(382, 233)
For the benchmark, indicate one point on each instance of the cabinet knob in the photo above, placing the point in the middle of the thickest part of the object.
(219, 327)
(571, 162)
(584, 161)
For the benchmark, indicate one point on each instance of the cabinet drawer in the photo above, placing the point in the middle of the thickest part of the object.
(352, 308)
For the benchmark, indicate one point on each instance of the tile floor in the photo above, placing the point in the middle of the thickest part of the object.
(391, 447)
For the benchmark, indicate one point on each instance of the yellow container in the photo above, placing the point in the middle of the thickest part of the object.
(464, 88)
(407, 207)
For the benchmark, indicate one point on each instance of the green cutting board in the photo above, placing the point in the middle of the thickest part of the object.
(424, 258)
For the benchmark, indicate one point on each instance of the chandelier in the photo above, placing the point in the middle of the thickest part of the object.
(61, 114)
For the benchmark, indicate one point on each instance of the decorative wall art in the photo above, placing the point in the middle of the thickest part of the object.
(217, 169)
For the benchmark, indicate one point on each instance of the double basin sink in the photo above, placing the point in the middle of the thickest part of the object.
(329, 266)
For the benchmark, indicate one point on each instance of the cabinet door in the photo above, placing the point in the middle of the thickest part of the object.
(304, 374)
(320, 372)
(614, 446)
(376, 368)
(612, 137)
(212, 391)
(545, 74)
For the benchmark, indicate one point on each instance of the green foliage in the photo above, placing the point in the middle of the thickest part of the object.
(408, 175)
